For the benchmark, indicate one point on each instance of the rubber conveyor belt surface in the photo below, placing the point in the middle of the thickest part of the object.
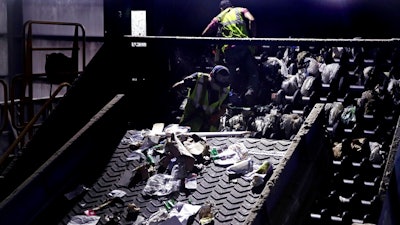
(232, 198)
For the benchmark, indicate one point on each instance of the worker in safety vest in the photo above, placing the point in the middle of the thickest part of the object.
(207, 99)
(238, 22)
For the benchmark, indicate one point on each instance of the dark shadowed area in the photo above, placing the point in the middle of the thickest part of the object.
(289, 18)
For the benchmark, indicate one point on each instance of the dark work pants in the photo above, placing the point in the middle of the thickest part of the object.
(241, 57)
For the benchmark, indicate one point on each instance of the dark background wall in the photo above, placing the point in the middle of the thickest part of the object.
(280, 18)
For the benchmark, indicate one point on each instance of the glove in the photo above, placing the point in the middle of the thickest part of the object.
(190, 81)
(214, 119)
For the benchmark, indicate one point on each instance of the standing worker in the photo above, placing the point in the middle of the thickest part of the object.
(238, 22)
(207, 99)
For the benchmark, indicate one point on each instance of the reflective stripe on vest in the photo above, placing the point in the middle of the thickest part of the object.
(200, 95)
(232, 23)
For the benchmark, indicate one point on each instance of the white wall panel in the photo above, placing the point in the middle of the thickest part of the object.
(89, 13)
(3, 16)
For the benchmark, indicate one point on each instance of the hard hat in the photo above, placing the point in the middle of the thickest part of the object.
(225, 4)
(221, 75)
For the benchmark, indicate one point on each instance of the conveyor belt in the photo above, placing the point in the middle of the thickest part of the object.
(233, 198)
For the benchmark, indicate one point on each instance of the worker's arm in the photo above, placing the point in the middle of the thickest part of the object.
(188, 81)
(252, 22)
(211, 27)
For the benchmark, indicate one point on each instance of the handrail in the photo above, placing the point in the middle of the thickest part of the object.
(12, 100)
(345, 42)
(22, 115)
(31, 123)
(3, 120)
(28, 32)
(29, 48)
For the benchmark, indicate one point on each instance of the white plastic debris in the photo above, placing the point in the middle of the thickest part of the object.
(233, 154)
(84, 220)
(161, 185)
(117, 194)
(183, 211)
(242, 167)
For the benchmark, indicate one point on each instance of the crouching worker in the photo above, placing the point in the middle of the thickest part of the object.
(207, 99)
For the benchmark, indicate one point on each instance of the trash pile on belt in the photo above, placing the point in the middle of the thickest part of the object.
(362, 99)
(263, 121)
(170, 162)
(361, 91)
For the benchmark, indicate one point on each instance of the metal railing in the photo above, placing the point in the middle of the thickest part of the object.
(22, 107)
(28, 128)
(4, 107)
(344, 42)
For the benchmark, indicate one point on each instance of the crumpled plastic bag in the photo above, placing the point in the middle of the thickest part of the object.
(307, 86)
(375, 156)
(117, 193)
(178, 150)
(182, 211)
(157, 217)
(292, 83)
(329, 72)
(161, 185)
(84, 220)
(242, 167)
(195, 145)
(335, 112)
(176, 128)
(348, 115)
(233, 154)
(313, 66)
(290, 124)
(259, 174)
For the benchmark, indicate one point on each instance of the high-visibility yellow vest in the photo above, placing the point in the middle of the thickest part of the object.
(198, 108)
(232, 24)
